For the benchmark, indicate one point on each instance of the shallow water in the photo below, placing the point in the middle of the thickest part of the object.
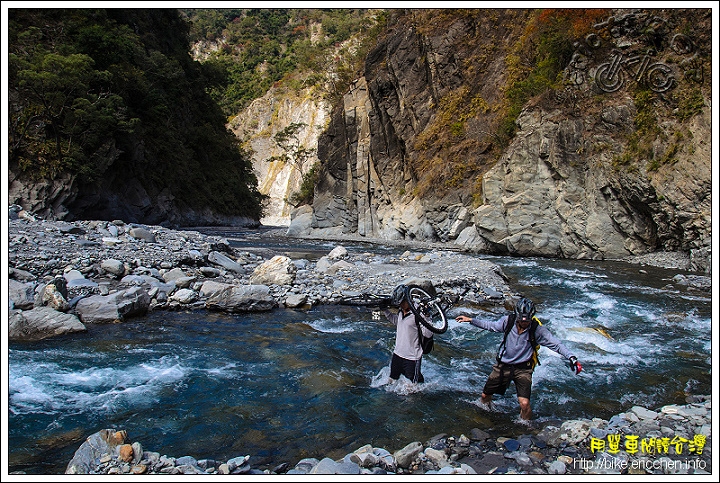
(289, 384)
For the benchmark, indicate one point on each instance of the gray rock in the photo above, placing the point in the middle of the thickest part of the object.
(21, 295)
(115, 267)
(557, 467)
(173, 274)
(41, 323)
(142, 234)
(325, 466)
(75, 279)
(242, 298)
(184, 282)
(337, 253)
(301, 221)
(87, 457)
(438, 457)
(574, 431)
(21, 275)
(224, 261)
(184, 296)
(405, 456)
(113, 308)
(478, 434)
(295, 300)
(347, 468)
(304, 466)
(209, 272)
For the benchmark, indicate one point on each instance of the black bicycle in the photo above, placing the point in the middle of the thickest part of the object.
(429, 310)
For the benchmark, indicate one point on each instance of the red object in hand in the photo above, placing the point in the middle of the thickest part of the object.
(575, 365)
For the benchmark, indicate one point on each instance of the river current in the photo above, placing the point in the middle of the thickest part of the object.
(288, 384)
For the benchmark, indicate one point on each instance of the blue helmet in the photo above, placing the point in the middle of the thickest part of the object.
(524, 309)
(399, 294)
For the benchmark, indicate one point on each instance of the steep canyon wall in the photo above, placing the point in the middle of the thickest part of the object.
(571, 183)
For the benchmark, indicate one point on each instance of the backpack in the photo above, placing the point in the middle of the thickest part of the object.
(533, 342)
(427, 343)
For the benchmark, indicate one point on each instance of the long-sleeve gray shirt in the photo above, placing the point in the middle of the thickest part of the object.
(517, 346)
(407, 342)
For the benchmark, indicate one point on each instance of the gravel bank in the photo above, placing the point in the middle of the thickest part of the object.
(670, 440)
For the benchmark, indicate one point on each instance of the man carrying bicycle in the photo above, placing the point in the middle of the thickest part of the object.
(408, 352)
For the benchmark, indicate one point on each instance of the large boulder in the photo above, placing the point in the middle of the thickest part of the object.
(405, 456)
(237, 298)
(106, 442)
(279, 270)
(21, 294)
(113, 308)
(41, 323)
(301, 221)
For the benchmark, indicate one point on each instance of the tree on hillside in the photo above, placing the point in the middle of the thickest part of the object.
(112, 96)
(293, 151)
(66, 112)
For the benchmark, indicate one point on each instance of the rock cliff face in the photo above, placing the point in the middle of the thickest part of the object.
(119, 199)
(256, 127)
(611, 165)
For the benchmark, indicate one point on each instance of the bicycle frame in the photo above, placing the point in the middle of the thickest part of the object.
(610, 76)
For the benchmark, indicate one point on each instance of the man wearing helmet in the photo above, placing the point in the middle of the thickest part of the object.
(517, 354)
(407, 355)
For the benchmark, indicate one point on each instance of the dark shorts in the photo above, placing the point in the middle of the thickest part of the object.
(503, 374)
(406, 367)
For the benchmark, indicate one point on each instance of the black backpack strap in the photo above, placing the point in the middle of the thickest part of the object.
(533, 326)
(508, 328)
(531, 337)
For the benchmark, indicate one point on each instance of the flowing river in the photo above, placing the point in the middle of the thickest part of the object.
(288, 384)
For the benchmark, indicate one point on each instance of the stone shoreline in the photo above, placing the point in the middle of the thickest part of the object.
(64, 277)
(672, 440)
(67, 277)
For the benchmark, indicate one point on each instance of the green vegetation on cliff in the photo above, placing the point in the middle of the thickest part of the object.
(254, 49)
(114, 94)
(474, 124)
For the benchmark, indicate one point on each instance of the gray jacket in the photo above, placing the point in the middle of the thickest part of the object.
(407, 342)
(517, 346)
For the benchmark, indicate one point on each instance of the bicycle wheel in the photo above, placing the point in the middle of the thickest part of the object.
(606, 81)
(367, 299)
(427, 310)
(660, 77)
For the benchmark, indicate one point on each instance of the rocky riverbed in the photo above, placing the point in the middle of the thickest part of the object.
(64, 277)
(68, 277)
(671, 440)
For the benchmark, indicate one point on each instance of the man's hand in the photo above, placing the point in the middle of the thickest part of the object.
(462, 318)
(575, 365)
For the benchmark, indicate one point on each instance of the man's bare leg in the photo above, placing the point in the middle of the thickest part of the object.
(486, 400)
(525, 410)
